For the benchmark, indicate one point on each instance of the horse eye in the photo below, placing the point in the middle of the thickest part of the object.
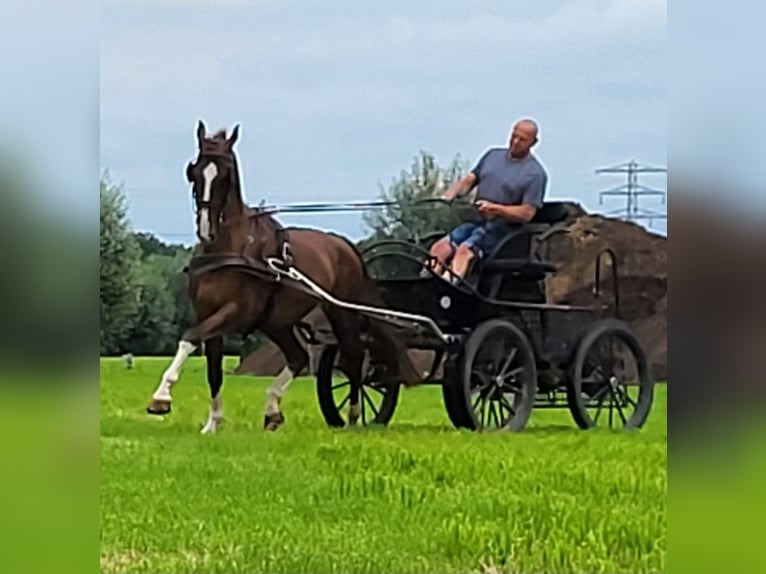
(189, 175)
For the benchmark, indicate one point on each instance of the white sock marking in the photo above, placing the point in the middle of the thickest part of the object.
(277, 390)
(170, 376)
(216, 415)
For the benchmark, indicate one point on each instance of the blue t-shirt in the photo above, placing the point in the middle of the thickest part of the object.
(509, 181)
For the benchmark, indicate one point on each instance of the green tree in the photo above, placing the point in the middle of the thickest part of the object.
(119, 268)
(155, 330)
(411, 216)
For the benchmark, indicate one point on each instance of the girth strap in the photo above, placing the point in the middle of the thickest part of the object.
(284, 249)
(200, 264)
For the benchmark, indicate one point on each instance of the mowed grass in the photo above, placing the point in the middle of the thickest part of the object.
(416, 496)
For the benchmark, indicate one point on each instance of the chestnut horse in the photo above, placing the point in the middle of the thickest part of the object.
(232, 291)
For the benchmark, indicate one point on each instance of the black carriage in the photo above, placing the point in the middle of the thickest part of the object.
(497, 348)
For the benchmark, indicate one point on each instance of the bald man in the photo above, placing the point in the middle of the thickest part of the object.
(511, 188)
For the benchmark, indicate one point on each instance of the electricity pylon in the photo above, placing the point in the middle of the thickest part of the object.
(632, 190)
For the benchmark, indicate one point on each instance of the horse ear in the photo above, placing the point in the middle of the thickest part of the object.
(234, 136)
(201, 130)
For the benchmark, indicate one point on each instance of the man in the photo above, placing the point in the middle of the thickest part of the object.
(511, 188)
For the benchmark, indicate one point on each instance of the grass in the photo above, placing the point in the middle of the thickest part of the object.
(417, 496)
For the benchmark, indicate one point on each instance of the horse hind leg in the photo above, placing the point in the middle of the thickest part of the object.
(297, 359)
(347, 329)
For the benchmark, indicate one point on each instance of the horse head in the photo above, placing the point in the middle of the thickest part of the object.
(214, 177)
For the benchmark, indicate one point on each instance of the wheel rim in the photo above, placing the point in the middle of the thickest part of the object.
(612, 382)
(499, 380)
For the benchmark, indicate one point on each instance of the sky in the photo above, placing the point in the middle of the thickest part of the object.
(49, 101)
(336, 98)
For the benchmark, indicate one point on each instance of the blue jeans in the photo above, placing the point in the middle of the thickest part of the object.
(481, 238)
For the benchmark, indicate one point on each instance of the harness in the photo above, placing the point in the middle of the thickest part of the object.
(272, 271)
(285, 250)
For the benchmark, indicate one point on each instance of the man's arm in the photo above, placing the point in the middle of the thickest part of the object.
(460, 187)
(530, 203)
(518, 213)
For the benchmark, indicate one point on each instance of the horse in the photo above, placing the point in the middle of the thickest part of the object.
(233, 292)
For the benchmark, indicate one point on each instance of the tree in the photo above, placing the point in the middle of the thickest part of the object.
(155, 331)
(409, 217)
(119, 266)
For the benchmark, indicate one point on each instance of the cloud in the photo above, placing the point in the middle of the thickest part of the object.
(335, 98)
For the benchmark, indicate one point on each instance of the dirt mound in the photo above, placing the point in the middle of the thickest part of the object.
(641, 258)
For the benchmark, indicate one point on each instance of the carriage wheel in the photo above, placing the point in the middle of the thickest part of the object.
(498, 379)
(378, 395)
(611, 382)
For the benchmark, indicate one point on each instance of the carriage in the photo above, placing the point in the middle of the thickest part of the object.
(494, 344)
(497, 347)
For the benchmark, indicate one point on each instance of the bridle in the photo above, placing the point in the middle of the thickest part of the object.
(228, 162)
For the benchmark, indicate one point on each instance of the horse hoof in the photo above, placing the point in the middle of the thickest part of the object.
(273, 422)
(158, 407)
(354, 414)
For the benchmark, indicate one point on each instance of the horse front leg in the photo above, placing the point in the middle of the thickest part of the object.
(213, 326)
(214, 359)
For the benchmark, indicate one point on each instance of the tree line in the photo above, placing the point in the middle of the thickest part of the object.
(144, 306)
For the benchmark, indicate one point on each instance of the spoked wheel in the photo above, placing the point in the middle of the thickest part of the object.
(377, 397)
(611, 382)
(498, 379)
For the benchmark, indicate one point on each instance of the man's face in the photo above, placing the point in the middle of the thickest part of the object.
(522, 139)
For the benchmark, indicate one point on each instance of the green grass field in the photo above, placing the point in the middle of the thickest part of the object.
(416, 496)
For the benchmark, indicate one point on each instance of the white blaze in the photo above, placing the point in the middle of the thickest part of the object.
(209, 174)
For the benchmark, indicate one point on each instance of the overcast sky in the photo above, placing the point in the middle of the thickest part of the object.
(335, 98)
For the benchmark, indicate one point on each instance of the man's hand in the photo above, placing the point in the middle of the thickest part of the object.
(521, 213)
(460, 187)
(488, 208)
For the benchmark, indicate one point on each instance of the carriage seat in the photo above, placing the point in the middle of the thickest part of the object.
(512, 268)
(515, 250)
(551, 212)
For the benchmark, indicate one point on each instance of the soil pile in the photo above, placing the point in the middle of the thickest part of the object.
(642, 275)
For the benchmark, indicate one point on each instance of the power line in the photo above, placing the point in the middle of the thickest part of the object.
(632, 190)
